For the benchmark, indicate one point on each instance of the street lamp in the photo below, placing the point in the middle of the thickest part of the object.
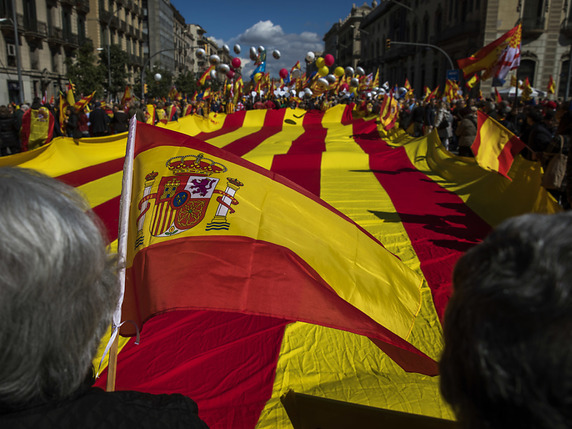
(17, 45)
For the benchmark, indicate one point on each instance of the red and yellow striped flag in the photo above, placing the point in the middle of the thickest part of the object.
(495, 147)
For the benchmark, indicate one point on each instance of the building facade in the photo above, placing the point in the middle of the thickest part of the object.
(35, 39)
(426, 38)
(51, 31)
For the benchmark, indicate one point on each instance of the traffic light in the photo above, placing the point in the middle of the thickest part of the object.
(387, 43)
(145, 88)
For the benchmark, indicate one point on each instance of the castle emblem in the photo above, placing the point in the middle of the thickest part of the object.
(181, 200)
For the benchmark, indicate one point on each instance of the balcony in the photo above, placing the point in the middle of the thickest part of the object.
(104, 15)
(533, 26)
(470, 29)
(55, 36)
(70, 40)
(566, 27)
(82, 6)
(36, 30)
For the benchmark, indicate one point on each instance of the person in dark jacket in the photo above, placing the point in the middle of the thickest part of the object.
(58, 292)
(99, 121)
(9, 139)
(120, 121)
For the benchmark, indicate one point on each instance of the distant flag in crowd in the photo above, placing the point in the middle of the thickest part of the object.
(45, 97)
(70, 98)
(410, 93)
(37, 128)
(472, 81)
(497, 58)
(84, 101)
(495, 147)
(260, 64)
(127, 95)
(375, 83)
(551, 85)
(513, 81)
(498, 96)
(427, 93)
(173, 93)
(206, 75)
(389, 112)
(526, 90)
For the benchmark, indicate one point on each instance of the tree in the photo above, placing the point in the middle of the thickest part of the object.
(158, 88)
(186, 83)
(83, 71)
(119, 74)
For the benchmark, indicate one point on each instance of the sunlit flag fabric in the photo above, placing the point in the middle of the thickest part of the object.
(497, 58)
(418, 200)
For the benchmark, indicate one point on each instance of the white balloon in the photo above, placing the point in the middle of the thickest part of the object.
(261, 49)
(323, 83)
(200, 53)
(223, 68)
(226, 49)
(213, 75)
(331, 78)
(360, 71)
(214, 59)
(276, 54)
(349, 71)
(157, 77)
(253, 53)
(310, 56)
(382, 91)
(237, 49)
(354, 82)
(296, 73)
(308, 91)
(301, 94)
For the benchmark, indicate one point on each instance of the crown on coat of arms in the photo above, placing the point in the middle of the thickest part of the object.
(194, 164)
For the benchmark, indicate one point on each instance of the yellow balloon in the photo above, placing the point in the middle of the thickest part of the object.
(339, 71)
(323, 71)
(257, 77)
(320, 62)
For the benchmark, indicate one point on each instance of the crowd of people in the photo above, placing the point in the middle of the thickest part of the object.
(545, 127)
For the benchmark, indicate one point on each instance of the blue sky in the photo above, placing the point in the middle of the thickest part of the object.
(292, 27)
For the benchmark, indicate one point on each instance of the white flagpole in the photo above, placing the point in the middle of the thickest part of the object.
(124, 208)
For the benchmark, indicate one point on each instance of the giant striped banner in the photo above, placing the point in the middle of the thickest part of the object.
(410, 196)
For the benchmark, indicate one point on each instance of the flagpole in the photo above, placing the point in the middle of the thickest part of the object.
(125, 203)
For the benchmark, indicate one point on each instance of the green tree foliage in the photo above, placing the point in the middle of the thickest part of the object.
(186, 83)
(119, 74)
(83, 71)
(158, 88)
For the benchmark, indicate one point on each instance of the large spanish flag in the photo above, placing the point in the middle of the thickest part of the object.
(407, 195)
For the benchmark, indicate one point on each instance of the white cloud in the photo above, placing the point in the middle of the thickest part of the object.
(292, 47)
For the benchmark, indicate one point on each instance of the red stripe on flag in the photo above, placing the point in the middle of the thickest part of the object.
(92, 173)
(229, 273)
(439, 224)
(273, 122)
(231, 123)
(302, 164)
(509, 152)
(208, 356)
(108, 212)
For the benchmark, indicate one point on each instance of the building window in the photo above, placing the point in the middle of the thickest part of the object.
(66, 23)
(30, 19)
(565, 75)
(6, 8)
(527, 69)
(533, 15)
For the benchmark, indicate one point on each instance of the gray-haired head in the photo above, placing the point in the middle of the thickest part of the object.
(58, 288)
